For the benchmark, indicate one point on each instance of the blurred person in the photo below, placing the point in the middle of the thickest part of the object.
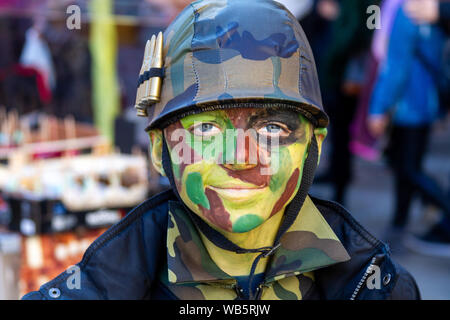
(229, 230)
(437, 239)
(72, 61)
(26, 76)
(435, 12)
(342, 71)
(36, 54)
(316, 23)
(406, 97)
(428, 11)
(363, 143)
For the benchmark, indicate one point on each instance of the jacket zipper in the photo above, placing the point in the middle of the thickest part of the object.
(363, 279)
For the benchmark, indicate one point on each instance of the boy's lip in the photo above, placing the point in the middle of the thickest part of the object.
(237, 187)
(228, 185)
(237, 193)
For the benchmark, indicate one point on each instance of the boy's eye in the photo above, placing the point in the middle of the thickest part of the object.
(273, 129)
(205, 129)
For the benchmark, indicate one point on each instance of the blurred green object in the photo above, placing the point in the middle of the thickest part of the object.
(103, 46)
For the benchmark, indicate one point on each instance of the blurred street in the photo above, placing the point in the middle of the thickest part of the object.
(370, 200)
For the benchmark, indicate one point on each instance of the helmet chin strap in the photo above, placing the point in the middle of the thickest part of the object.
(291, 212)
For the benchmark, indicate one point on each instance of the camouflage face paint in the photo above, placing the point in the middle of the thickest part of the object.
(195, 190)
(237, 197)
(247, 222)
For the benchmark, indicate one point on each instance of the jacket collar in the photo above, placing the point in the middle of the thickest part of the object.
(309, 244)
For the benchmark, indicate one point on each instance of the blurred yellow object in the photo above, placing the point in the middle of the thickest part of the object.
(103, 45)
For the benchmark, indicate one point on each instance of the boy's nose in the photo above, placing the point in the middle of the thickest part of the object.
(245, 156)
(240, 166)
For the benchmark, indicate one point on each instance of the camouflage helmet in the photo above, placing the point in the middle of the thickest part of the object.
(234, 53)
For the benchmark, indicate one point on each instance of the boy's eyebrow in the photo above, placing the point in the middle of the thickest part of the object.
(212, 116)
(287, 117)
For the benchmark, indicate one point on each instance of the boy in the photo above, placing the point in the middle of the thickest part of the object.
(237, 128)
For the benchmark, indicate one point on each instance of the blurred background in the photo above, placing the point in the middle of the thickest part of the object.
(73, 154)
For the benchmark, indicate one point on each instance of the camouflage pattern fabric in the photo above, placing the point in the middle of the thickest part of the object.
(220, 52)
(309, 244)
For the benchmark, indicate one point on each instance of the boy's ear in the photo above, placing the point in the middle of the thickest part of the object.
(156, 145)
(321, 134)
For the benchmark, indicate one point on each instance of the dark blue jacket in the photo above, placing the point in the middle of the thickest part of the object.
(124, 262)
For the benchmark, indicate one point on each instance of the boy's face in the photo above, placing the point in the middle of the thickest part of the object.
(236, 168)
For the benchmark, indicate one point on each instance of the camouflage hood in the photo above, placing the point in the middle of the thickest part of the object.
(234, 53)
(308, 245)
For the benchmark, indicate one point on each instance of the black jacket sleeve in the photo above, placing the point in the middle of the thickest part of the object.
(405, 287)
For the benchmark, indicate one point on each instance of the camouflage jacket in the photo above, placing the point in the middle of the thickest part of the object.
(155, 253)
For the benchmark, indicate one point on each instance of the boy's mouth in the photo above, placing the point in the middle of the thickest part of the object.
(238, 193)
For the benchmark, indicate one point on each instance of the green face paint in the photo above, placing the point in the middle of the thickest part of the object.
(215, 145)
(222, 191)
(195, 190)
(247, 223)
(176, 171)
(279, 178)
